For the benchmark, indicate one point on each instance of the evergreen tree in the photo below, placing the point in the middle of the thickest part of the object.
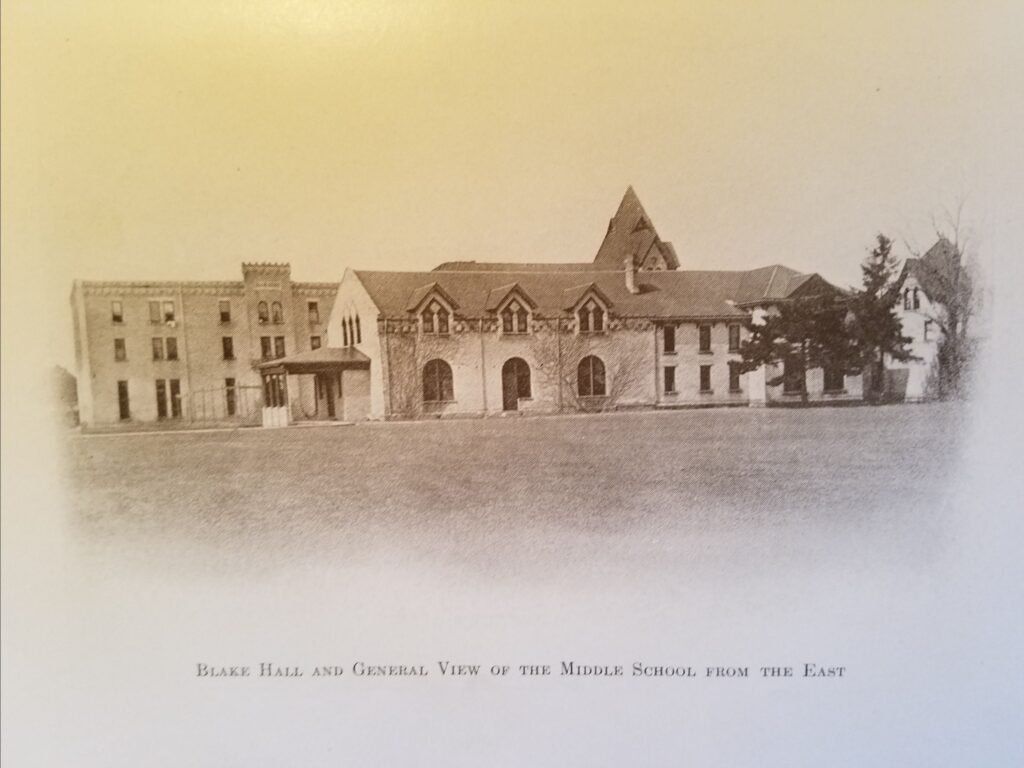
(875, 328)
(801, 334)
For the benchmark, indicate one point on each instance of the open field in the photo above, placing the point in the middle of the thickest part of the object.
(815, 482)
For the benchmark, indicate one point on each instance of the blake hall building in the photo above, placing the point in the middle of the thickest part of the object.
(629, 329)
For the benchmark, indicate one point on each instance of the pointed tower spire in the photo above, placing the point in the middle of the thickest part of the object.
(631, 235)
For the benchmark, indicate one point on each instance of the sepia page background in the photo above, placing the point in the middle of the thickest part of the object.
(172, 141)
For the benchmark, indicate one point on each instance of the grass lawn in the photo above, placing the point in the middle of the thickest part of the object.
(486, 491)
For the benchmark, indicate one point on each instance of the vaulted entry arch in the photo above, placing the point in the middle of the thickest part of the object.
(515, 383)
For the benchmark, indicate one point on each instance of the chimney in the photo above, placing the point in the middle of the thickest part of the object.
(631, 275)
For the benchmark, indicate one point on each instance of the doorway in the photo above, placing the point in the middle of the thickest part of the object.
(515, 383)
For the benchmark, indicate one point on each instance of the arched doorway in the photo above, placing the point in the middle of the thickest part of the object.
(515, 383)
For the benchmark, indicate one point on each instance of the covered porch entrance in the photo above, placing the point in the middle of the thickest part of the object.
(326, 384)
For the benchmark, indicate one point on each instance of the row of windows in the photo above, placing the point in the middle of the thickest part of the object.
(438, 386)
(911, 299)
(167, 348)
(168, 399)
(164, 312)
(794, 378)
(704, 338)
(351, 331)
(704, 377)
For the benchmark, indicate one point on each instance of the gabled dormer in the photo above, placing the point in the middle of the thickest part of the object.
(513, 307)
(433, 308)
(589, 307)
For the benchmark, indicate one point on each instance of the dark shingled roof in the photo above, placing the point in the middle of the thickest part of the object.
(932, 269)
(678, 294)
(631, 234)
(497, 266)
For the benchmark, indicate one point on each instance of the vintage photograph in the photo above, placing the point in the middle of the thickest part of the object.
(445, 383)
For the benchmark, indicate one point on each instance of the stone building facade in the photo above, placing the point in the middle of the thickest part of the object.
(166, 351)
(629, 329)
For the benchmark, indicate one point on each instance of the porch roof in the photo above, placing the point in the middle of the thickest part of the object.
(323, 360)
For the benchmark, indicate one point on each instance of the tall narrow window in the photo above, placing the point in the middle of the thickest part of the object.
(225, 311)
(154, 311)
(670, 339)
(168, 311)
(230, 397)
(123, 406)
(120, 351)
(359, 332)
(344, 333)
(906, 298)
(158, 349)
(514, 318)
(172, 348)
(835, 380)
(314, 342)
(265, 349)
(917, 299)
(670, 379)
(262, 313)
(161, 399)
(313, 308)
(227, 344)
(116, 312)
(591, 317)
(279, 346)
(705, 338)
(590, 380)
(435, 319)
(928, 330)
(175, 394)
(734, 338)
(277, 313)
(705, 378)
(275, 390)
(794, 377)
(437, 382)
(734, 377)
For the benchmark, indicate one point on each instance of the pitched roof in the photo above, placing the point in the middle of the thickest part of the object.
(485, 266)
(675, 294)
(933, 269)
(318, 360)
(631, 234)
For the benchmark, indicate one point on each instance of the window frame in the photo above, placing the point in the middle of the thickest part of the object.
(831, 372)
(262, 313)
(124, 402)
(595, 370)
(668, 335)
(120, 350)
(435, 375)
(437, 311)
(669, 383)
(315, 342)
(313, 312)
(788, 377)
(735, 330)
(276, 313)
(704, 332)
(735, 383)
(279, 348)
(591, 316)
(158, 349)
(227, 347)
(225, 317)
(117, 312)
(171, 348)
(705, 384)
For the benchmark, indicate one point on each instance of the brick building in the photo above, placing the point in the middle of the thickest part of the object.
(628, 329)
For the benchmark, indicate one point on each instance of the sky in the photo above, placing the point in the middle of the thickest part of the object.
(150, 140)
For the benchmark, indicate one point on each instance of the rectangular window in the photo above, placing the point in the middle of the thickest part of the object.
(172, 348)
(314, 312)
(225, 311)
(230, 404)
(734, 338)
(705, 378)
(835, 380)
(279, 346)
(154, 311)
(158, 349)
(227, 345)
(123, 407)
(670, 379)
(117, 312)
(734, 378)
(705, 338)
(670, 339)
(120, 351)
(314, 342)
(161, 399)
(168, 311)
(928, 330)
(265, 349)
(175, 398)
(793, 377)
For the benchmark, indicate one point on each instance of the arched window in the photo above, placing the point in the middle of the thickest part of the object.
(590, 380)
(344, 333)
(591, 317)
(435, 319)
(515, 382)
(262, 313)
(277, 313)
(917, 299)
(437, 382)
(515, 318)
(359, 332)
(906, 298)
